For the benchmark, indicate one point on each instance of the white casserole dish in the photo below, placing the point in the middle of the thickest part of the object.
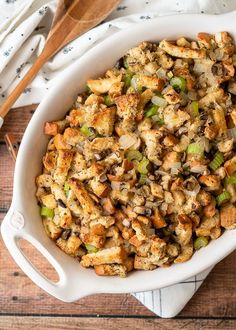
(23, 220)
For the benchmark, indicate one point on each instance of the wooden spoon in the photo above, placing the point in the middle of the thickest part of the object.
(72, 18)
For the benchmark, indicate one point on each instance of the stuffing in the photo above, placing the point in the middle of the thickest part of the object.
(143, 165)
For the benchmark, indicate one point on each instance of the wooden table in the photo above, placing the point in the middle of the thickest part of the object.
(24, 306)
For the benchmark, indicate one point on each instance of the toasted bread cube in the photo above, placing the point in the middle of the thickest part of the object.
(73, 136)
(64, 160)
(93, 239)
(158, 220)
(108, 205)
(150, 82)
(49, 160)
(106, 221)
(114, 255)
(76, 117)
(65, 217)
(230, 166)
(44, 181)
(143, 263)
(78, 163)
(116, 89)
(127, 105)
(102, 86)
(87, 204)
(100, 189)
(60, 143)
(135, 241)
(49, 201)
(70, 246)
(212, 182)
(139, 230)
(228, 216)
(219, 118)
(186, 253)
(104, 143)
(55, 127)
(182, 52)
(184, 229)
(103, 121)
(88, 173)
(51, 229)
(93, 99)
(211, 98)
(114, 269)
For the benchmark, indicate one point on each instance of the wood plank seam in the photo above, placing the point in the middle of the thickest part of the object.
(192, 317)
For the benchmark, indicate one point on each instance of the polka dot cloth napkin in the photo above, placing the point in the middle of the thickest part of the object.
(24, 25)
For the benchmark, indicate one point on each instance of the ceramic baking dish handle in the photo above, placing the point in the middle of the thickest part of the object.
(12, 230)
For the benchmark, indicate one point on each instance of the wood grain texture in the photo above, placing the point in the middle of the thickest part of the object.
(67, 323)
(18, 295)
(21, 116)
(71, 21)
(216, 297)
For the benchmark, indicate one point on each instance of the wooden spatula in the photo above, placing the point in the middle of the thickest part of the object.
(72, 18)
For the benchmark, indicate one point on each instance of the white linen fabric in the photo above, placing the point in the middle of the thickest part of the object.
(24, 25)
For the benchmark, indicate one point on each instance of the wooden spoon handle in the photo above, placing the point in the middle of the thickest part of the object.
(30, 75)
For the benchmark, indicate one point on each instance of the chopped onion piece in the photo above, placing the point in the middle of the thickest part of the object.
(198, 169)
(192, 187)
(175, 165)
(192, 95)
(134, 83)
(126, 222)
(115, 185)
(151, 231)
(160, 101)
(160, 172)
(205, 143)
(232, 133)
(126, 141)
(161, 73)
